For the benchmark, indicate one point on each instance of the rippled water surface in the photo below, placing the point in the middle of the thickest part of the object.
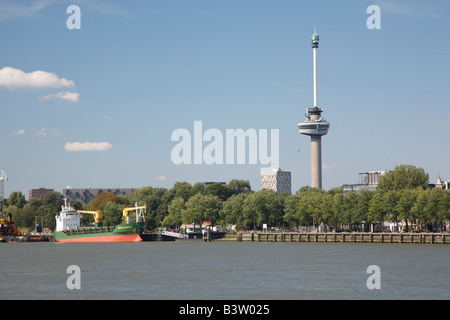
(224, 270)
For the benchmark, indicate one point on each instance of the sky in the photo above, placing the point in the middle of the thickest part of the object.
(97, 106)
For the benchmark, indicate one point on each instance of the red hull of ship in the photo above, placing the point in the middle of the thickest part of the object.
(115, 238)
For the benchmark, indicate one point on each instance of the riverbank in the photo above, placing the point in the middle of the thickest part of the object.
(344, 237)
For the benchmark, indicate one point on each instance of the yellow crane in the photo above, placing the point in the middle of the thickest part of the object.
(7, 227)
(139, 215)
(97, 216)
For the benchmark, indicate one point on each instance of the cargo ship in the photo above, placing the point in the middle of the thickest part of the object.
(68, 227)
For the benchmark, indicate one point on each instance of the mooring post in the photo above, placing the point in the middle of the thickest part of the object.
(208, 233)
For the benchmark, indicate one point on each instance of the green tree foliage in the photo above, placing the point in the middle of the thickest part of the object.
(402, 195)
(52, 206)
(218, 189)
(239, 186)
(264, 206)
(403, 210)
(232, 210)
(157, 201)
(101, 200)
(112, 214)
(183, 190)
(306, 207)
(404, 177)
(175, 209)
(16, 199)
(200, 208)
(28, 216)
(15, 214)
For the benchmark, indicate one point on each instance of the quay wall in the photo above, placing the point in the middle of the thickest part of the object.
(344, 237)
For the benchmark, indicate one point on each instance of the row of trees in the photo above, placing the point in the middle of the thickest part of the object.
(421, 208)
(402, 195)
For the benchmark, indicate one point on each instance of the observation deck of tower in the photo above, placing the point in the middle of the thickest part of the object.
(315, 126)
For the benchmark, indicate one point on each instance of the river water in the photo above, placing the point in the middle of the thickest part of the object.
(196, 270)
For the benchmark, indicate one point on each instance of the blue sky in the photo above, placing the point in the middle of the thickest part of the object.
(138, 70)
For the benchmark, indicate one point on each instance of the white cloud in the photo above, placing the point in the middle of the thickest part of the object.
(107, 8)
(18, 133)
(105, 116)
(37, 132)
(336, 166)
(69, 96)
(164, 178)
(44, 132)
(87, 146)
(407, 8)
(282, 85)
(15, 78)
(14, 10)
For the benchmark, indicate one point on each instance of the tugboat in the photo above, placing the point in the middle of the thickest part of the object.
(68, 227)
(8, 230)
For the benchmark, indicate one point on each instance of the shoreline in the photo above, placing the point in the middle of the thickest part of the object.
(342, 237)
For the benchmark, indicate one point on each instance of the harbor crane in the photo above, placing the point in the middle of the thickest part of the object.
(139, 215)
(97, 216)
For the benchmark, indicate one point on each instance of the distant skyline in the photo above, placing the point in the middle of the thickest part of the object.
(96, 106)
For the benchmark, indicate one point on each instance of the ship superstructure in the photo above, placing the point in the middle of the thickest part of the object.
(68, 219)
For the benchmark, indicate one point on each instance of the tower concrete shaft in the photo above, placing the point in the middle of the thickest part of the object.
(316, 162)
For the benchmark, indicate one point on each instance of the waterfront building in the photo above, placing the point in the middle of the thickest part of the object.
(88, 194)
(440, 184)
(39, 193)
(3, 178)
(276, 180)
(367, 181)
(192, 228)
(212, 182)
